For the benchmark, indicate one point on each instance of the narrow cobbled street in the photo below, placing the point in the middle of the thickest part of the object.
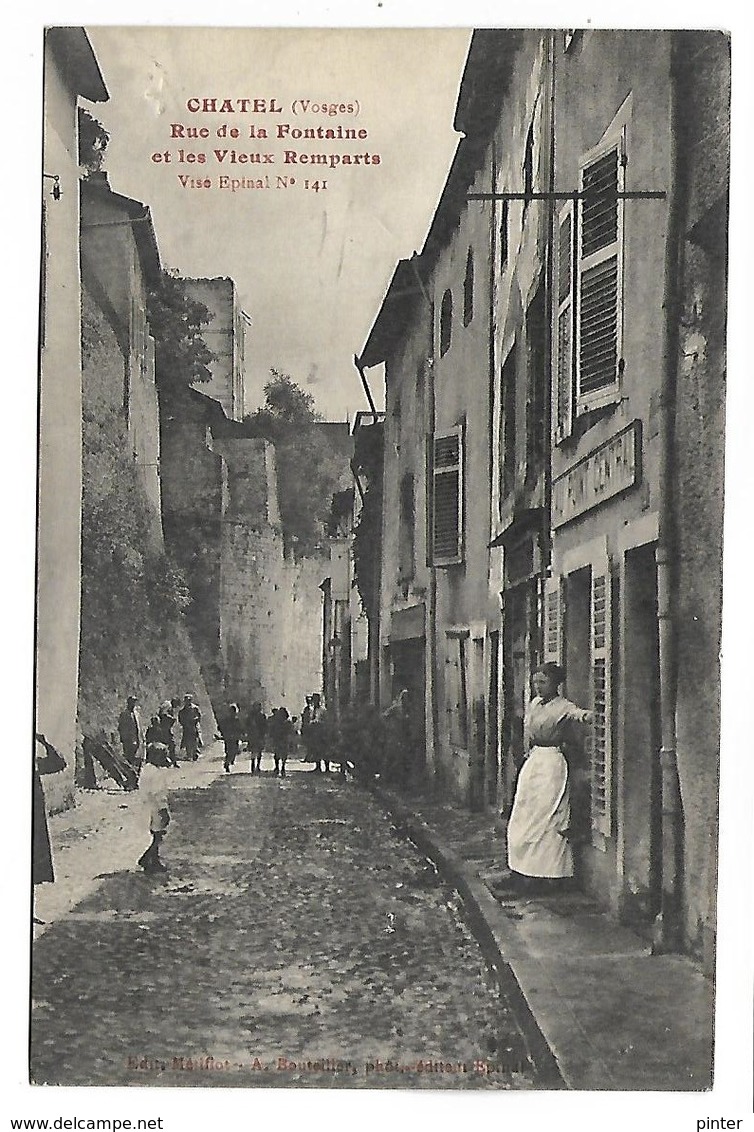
(297, 939)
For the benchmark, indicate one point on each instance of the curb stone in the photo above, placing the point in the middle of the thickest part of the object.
(483, 916)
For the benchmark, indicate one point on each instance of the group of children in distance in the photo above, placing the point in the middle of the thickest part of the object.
(278, 734)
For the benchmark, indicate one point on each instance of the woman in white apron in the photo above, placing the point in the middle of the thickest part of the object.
(541, 814)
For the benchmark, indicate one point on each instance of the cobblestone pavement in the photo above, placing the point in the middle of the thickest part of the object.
(297, 938)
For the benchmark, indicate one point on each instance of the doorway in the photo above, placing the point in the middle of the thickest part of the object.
(408, 672)
(641, 785)
(493, 730)
(578, 688)
(519, 657)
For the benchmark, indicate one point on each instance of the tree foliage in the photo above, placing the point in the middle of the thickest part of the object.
(176, 321)
(125, 571)
(93, 141)
(308, 470)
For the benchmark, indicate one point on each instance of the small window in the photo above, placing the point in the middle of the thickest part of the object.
(446, 322)
(504, 239)
(468, 289)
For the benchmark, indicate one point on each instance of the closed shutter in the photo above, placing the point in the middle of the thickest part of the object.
(564, 337)
(599, 329)
(447, 498)
(553, 621)
(601, 665)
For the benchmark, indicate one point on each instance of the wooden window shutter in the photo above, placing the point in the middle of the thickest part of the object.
(601, 668)
(553, 621)
(564, 336)
(447, 498)
(600, 278)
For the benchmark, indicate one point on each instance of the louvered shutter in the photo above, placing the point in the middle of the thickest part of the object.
(553, 621)
(563, 375)
(600, 249)
(447, 498)
(601, 665)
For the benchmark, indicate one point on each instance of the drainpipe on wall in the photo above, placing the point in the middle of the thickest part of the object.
(550, 306)
(667, 932)
(432, 739)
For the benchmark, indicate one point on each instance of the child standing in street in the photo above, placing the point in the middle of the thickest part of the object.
(152, 790)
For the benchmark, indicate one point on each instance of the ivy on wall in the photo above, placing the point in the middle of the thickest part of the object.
(133, 639)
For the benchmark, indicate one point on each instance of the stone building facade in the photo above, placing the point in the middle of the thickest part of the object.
(570, 302)
(270, 605)
(256, 616)
(119, 261)
(70, 72)
(226, 336)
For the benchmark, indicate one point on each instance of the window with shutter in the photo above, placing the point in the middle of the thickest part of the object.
(601, 664)
(563, 354)
(600, 284)
(447, 498)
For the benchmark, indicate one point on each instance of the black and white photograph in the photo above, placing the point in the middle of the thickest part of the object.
(378, 568)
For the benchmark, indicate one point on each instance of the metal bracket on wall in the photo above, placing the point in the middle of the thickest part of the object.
(647, 194)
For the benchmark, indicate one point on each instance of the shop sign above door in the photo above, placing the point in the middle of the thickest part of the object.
(610, 469)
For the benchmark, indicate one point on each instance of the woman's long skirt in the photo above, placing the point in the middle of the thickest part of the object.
(541, 814)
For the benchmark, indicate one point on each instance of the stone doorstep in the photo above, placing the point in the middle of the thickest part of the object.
(606, 1013)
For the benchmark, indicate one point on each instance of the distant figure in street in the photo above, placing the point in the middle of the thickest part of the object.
(49, 763)
(539, 824)
(231, 730)
(167, 723)
(306, 718)
(190, 718)
(153, 790)
(129, 732)
(256, 730)
(396, 752)
(281, 732)
(153, 733)
(316, 734)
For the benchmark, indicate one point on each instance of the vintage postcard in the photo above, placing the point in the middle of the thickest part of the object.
(382, 405)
